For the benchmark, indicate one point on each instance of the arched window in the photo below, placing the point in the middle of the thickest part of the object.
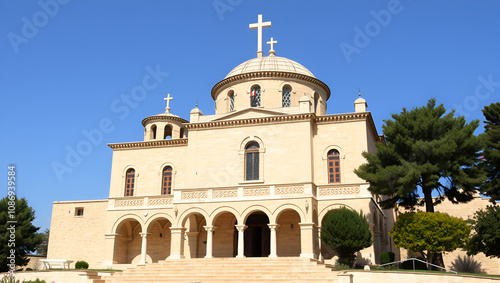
(316, 100)
(130, 182)
(285, 97)
(252, 161)
(153, 132)
(166, 181)
(231, 101)
(167, 134)
(333, 166)
(255, 96)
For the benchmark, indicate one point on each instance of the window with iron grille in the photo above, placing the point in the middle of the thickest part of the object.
(255, 97)
(166, 181)
(333, 166)
(252, 161)
(130, 183)
(286, 101)
(231, 102)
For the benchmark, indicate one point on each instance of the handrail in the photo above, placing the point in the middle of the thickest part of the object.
(413, 259)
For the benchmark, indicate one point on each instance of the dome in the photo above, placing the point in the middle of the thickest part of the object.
(270, 63)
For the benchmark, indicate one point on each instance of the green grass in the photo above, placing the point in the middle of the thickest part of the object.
(429, 271)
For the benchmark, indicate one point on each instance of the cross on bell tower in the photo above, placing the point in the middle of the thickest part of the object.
(168, 98)
(259, 25)
(272, 42)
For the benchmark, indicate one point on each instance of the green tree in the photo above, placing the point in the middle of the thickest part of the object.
(20, 236)
(425, 150)
(486, 235)
(42, 248)
(491, 161)
(432, 232)
(347, 232)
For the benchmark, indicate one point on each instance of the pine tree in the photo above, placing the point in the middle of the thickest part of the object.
(491, 161)
(17, 233)
(347, 232)
(425, 150)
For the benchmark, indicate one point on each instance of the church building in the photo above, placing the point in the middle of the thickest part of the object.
(254, 179)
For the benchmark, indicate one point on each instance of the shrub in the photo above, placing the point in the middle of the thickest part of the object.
(81, 265)
(35, 281)
(386, 257)
(8, 278)
(466, 264)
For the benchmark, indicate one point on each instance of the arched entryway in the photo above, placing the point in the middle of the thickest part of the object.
(158, 239)
(195, 245)
(288, 235)
(257, 235)
(225, 235)
(128, 242)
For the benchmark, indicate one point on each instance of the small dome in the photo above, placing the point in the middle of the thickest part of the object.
(270, 63)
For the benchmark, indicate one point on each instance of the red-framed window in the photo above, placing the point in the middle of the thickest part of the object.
(130, 183)
(166, 181)
(333, 166)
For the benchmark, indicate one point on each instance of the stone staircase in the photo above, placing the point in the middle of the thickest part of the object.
(219, 270)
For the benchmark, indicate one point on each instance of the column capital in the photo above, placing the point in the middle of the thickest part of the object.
(209, 228)
(241, 228)
(111, 236)
(177, 230)
(191, 234)
(307, 225)
(144, 234)
(273, 226)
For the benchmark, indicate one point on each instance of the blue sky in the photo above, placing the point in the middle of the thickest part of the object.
(67, 68)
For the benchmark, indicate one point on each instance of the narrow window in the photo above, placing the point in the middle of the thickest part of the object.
(130, 183)
(316, 100)
(166, 187)
(231, 101)
(153, 132)
(252, 161)
(167, 134)
(333, 166)
(255, 97)
(183, 133)
(285, 97)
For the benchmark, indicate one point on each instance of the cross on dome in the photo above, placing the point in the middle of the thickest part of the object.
(168, 98)
(272, 42)
(259, 25)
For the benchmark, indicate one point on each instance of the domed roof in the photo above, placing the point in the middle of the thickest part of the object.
(270, 63)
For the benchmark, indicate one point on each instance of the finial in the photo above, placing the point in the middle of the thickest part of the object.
(168, 98)
(196, 103)
(272, 42)
(359, 94)
(259, 25)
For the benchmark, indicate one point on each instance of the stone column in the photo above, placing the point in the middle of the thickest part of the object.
(306, 238)
(241, 240)
(144, 248)
(274, 247)
(110, 250)
(210, 231)
(177, 242)
(320, 255)
(193, 244)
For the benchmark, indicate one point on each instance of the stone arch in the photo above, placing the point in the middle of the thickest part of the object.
(159, 236)
(225, 236)
(153, 132)
(257, 208)
(249, 139)
(289, 206)
(123, 218)
(193, 210)
(224, 209)
(194, 220)
(327, 209)
(288, 235)
(168, 132)
(127, 245)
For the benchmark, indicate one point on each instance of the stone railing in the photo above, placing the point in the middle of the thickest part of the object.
(340, 190)
(140, 202)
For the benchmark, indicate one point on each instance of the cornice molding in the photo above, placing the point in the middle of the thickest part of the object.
(148, 144)
(250, 121)
(270, 74)
(162, 118)
(352, 116)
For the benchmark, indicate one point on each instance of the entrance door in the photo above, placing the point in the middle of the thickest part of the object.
(257, 236)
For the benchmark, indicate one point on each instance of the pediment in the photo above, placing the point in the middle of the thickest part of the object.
(248, 113)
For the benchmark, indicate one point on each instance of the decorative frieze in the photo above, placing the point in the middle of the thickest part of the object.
(225, 194)
(129, 202)
(159, 201)
(148, 144)
(194, 195)
(338, 191)
(256, 192)
(289, 190)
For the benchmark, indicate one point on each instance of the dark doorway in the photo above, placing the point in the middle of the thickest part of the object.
(257, 236)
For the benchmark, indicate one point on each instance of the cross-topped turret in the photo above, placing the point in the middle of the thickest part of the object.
(259, 25)
(272, 42)
(168, 98)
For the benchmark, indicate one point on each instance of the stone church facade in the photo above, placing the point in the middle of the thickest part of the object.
(255, 179)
